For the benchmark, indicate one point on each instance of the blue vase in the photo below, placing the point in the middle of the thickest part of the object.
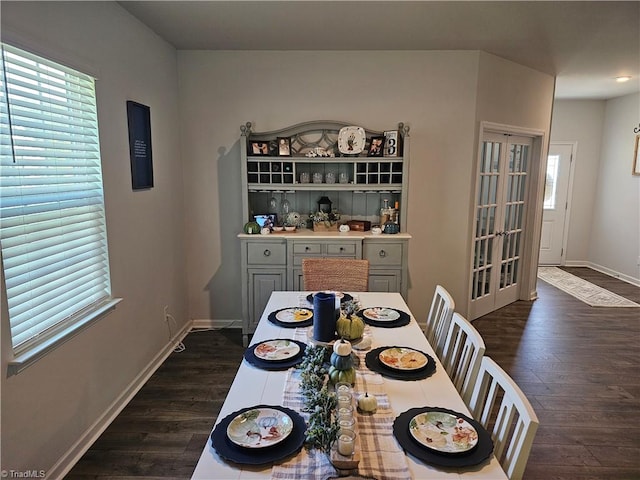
(324, 316)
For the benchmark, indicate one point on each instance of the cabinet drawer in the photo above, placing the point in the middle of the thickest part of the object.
(266, 253)
(307, 248)
(383, 253)
(341, 249)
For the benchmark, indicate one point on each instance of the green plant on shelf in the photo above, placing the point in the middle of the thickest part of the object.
(328, 218)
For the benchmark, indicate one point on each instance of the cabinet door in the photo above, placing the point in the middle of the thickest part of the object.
(388, 281)
(261, 284)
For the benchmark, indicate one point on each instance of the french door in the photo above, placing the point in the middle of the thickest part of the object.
(501, 207)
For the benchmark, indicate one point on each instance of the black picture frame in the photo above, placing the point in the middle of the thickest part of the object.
(376, 147)
(284, 147)
(140, 152)
(259, 148)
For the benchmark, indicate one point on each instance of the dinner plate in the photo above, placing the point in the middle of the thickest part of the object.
(275, 365)
(475, 456)
(294, 315)
(276, 350)
(259, 428)
(381, 314)
(231, 452)
(403, 358)
(402, 319)
(344, 297)
(443, 432)
(373, 363)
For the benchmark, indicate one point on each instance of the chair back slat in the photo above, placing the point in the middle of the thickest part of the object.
(442, 307)
(462, 353)
(515, 424)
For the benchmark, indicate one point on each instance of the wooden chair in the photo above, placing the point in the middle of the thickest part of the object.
(462, 355)
(511, 420)
(439, 318)
(340, 274)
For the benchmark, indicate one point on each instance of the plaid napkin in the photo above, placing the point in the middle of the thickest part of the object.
(381, 456)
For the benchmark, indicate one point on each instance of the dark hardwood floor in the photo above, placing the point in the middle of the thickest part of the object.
(580, 368)
(578, 365)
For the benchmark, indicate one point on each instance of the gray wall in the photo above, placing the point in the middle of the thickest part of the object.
(604, 226)
(49, 406)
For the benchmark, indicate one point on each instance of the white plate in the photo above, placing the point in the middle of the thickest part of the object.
(294, 315)
(259, 428)
(351, 140)
(381, 314)
(276, 350)
(400, 358)
(443, 432)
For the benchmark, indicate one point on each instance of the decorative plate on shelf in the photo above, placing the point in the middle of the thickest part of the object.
(351, 140)
(443, 432)
(259, 428)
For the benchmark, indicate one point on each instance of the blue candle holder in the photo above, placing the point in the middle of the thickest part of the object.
(324, 316)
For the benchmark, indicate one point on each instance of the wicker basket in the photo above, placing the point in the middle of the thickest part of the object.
(325, 227)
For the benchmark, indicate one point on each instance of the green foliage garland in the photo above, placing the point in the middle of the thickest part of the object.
(319, 402)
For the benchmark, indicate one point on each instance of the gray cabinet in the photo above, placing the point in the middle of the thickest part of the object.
(274, 262)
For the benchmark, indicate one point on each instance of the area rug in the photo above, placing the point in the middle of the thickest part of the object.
(581, 289)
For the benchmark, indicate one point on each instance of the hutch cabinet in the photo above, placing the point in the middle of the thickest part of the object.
(284, 175)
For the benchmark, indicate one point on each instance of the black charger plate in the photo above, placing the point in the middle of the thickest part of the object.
(479, 454)
(305, 323)
(403, 320)
(258, 456)
(345, 297)
(372, 360)
(250, 356)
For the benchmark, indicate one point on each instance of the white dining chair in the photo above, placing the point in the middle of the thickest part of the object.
(462, 355)
(442, 307)
(501, 407)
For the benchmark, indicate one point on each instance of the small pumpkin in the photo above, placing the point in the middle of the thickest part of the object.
(341, 362)
(342, 347)
(350, 327)
(251, 227)
(367, 403)
(345, 376)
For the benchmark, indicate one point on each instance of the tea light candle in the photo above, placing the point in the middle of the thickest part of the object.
(342, 387)
(345, 412)
(344, 400)
(346, 425)
(345, 444)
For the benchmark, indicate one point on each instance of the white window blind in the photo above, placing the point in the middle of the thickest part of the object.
(52, 221)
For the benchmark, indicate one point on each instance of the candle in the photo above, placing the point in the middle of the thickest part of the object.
(345, 412)
(344, 400)
(345, 444)
(346, 425)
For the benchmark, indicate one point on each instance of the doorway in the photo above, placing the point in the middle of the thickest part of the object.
(509, 187)
(555, 217)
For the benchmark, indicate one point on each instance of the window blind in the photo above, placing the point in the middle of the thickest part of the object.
(52, 220)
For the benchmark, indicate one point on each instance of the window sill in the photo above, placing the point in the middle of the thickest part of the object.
(29, 357)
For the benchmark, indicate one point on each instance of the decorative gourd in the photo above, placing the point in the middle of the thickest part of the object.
(350, 327)
(341, 362)
(251, 227)
(367, 403)
(342, 347)
(346, 376)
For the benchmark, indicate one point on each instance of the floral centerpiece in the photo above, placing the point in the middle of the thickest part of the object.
(323, 221)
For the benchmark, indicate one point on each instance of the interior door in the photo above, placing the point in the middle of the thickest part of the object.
(500, 221)
(556, 194)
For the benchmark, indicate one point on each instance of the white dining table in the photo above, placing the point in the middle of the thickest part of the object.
(253, 386)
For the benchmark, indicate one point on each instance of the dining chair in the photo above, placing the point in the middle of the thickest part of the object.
(341, 274)
(501, 407)
(442, 307)
(462, 355)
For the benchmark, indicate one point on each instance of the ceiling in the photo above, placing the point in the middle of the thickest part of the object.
(584, 44)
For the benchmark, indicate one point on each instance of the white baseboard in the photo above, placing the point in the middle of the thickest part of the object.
(211, 324)
(606, 271)
(68, 460)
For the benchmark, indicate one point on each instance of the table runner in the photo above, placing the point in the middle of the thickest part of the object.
(381, 457)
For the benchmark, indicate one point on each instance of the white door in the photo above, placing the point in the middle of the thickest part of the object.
(556, 195)
(501, 208)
